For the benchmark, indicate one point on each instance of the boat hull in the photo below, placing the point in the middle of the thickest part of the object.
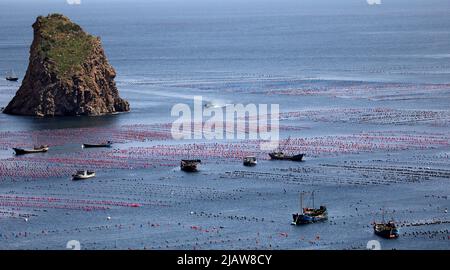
(250, 164)
(76, 178)
(189, 168)
(386, 233)
(80, 177)
(20, 151)
(298, 157)
(301, 219)
(86, 145)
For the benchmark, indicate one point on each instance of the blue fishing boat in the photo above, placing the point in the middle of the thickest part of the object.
(309, 215)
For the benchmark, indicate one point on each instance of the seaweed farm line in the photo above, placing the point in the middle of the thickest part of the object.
(365, 150)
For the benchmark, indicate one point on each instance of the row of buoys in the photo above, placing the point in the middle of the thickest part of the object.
(57, 137)
(439, 234)
(29, 169)
(311, 146)
(217, 240)
(63, 164)
(128, 133)
(16, 198)
(231, 217)
(358, 90)
(369, 115)
(54, 206)
(437, 196)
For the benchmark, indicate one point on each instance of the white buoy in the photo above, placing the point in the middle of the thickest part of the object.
(108, 218)
(26, 219)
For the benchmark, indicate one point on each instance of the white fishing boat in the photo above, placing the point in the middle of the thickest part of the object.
(82, 175)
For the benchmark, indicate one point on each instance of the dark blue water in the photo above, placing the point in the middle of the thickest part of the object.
(165, 52)
(394, 41)
(155, 45)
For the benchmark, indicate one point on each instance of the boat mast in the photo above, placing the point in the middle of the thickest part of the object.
(301, 202)
(282, 147)
(312, 195)
(286, 143)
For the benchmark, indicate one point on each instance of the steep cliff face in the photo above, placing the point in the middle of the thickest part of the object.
(68, 74)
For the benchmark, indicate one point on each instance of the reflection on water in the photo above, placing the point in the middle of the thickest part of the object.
(15, 122)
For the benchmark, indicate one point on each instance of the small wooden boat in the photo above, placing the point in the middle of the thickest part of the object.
(282, 156)
(250, 161)
(11, 76)
(90, 145)
(190, 165)
(309, 215)
(12, 79)
(386, 230)
(39, 149)
(82, 175)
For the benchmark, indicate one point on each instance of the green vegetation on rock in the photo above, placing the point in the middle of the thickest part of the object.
(64, 44)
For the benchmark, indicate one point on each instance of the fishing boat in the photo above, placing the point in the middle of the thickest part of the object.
(90, 145)
(250, 161)
(190, 165)
(386, 230)
(280, 155)
(11, 76)
(82, 175)
(36, 149)
(309, 215)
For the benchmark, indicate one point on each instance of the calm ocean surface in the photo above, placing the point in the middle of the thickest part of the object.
(154, 43)
(173, 40)
(233, 51)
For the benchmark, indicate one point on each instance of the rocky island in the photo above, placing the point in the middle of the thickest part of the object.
(68, 74)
